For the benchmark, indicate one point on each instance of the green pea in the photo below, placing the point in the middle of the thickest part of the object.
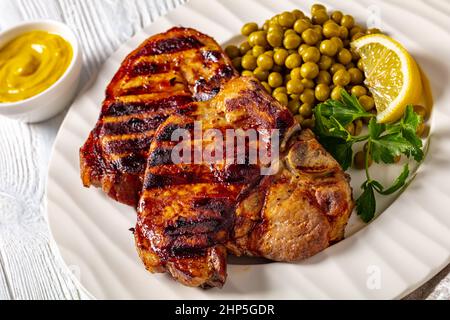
(331, 30)
(232, 51)
(343, 33)
(317, 7)
(310, 36)
(286, 19)
(336, 67)
(348, 21)
(308, 123)
(293, 61)
(237, 63)
(303, 48)
(367, 102)
(266, 87)
(275, 28)
(344, 56)
(275, 79)
(298, 14)
(296, 73)
(280, 90)
(358, 127)
(359, 161)
(275, 39)
(336, 93)
(309, 70)
(288, 32)
(341, 78)
(287, 78)
(244, 48)
(247, 73)
(358, 91)
(308, 96)
(301, 25)
(325, 62)
(360, 65)
(312, 54)
(322, 92)
(248, 28)
(257, 38)
(261, 74)
(258, 50)
(280, 55)
(248, 62)
(337, 16)
(308, 83)
(305, 110)
(329, 48)
(338, 42)
(281, 98)
(324, 77)
(293, 106)
(357, 77)
(294, 86)
(265, 62)
(350, 128)
(292, 41)
(319, 17)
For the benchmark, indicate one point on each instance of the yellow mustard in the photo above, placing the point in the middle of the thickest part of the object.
(31, 63)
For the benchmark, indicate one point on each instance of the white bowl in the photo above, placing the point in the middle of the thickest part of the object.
(56, 98)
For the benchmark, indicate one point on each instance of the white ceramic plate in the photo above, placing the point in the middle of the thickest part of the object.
(401, 249)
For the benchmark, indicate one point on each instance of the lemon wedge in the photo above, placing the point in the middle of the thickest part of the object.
(392, 75)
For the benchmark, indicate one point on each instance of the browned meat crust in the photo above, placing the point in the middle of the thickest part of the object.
(191, 215)
(160, 78)
(191, 212)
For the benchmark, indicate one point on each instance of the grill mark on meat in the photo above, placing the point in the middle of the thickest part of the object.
(147, 68)
(129, 108)
(160, 156)
(238, 174)
(140, 145)
(204, 89)
(166, 133)
(133, 163)
(132, 125)
(173, 179)
(169, 45)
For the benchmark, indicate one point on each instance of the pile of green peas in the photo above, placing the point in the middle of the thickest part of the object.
(303, 61)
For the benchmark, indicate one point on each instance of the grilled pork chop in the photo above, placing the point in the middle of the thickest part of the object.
(162, 77)
(190, 213)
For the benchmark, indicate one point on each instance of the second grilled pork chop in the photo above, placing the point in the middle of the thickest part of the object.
(190, 213)
(161, 77)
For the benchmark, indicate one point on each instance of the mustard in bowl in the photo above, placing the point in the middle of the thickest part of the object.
(40, 64)
(31, 63)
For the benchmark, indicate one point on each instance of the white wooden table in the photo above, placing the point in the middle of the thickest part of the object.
(29, 268)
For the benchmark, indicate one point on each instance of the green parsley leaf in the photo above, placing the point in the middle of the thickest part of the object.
(387, 147)
(397, 185)
(365, 204)
(340, 150)
(345, 111)
(385, 142)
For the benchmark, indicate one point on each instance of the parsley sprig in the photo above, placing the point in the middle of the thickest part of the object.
(385, 142)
